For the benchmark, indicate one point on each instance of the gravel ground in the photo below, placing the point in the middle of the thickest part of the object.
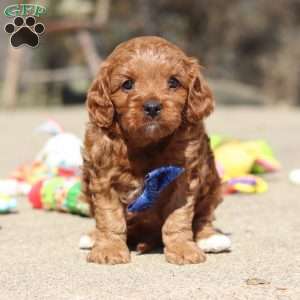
(40, 259)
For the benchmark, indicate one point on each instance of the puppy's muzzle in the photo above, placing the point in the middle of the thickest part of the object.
(152, 108)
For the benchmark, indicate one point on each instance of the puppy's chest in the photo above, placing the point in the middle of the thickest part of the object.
(144, 162)
(138, 166)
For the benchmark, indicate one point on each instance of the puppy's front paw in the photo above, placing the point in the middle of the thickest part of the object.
(185, 253)
(109, 252)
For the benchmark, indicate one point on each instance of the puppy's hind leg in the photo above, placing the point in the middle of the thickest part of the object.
(211, 240)
(206, 236)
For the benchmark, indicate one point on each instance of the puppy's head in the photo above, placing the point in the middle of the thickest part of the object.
(149, 87)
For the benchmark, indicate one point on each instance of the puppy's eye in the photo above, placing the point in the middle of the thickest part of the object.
(128, 85)
(173, 83)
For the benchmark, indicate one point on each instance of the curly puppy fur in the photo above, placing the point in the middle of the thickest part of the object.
(123, 143)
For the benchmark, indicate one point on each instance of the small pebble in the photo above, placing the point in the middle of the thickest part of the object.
(256, 281)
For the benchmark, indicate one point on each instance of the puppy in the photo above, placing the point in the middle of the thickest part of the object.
(146, 109)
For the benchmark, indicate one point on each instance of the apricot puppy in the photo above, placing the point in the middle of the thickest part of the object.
(146, 109)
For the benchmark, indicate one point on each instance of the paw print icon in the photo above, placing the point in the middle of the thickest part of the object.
(24, 32)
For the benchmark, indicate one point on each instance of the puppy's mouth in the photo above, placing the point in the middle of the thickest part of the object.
(153, 131)
(148, 131)
(151, 128)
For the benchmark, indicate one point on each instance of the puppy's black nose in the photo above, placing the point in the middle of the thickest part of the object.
(152, 108)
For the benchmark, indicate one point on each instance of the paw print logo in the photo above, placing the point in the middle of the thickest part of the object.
(24, 33)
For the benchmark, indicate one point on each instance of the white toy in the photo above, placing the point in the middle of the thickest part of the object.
(62, 149)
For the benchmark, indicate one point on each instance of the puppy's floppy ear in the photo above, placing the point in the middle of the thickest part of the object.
(99, 105)
(200, 101)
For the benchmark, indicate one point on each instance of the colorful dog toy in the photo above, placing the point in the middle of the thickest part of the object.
(239, 162)
(59, 193)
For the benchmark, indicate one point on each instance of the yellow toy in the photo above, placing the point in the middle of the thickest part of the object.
(238, 162)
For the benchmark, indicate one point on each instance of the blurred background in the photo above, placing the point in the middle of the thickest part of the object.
(250, 49)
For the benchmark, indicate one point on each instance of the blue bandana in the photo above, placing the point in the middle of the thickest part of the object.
(155, 182)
